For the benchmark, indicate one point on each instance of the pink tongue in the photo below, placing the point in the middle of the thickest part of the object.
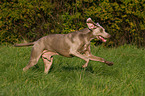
(102, 39)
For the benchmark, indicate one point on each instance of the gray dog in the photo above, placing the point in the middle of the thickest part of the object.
(69, 45)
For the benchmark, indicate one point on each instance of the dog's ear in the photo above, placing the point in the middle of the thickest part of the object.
(90, 23)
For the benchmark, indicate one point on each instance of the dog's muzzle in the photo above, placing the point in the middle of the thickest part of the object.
(102, 38)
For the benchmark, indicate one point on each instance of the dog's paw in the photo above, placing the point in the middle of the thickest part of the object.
(109, 63)
(84, 66)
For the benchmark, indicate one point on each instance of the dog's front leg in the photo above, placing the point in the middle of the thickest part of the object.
(77, 54)
(95, 58)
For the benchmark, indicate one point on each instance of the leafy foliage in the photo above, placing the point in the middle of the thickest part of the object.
(32, 19)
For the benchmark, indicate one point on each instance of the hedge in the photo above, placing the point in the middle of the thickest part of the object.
(32, 19)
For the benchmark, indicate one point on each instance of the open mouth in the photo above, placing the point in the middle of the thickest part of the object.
(101, 38)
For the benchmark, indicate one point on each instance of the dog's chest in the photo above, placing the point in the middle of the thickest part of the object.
(83, 48)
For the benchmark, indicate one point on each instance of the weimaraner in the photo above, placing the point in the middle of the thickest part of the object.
(69, 45)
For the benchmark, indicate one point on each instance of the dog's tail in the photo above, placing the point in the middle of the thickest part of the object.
(24, 44)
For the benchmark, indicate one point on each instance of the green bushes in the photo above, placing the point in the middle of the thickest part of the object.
(32, 19)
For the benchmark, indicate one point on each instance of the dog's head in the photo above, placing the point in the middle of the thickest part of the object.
(98, 30)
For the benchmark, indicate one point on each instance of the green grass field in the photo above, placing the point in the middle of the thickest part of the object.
(67, 78)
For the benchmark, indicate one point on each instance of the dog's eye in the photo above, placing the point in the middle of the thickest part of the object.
(101, 30)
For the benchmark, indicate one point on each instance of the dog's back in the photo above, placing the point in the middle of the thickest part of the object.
(61, 43)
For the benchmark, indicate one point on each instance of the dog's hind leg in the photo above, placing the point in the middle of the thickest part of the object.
(35, 55)
(47, 59)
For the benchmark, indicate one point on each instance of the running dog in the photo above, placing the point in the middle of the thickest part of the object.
(69, 45)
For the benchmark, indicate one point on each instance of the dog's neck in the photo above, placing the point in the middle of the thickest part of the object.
(90, 35)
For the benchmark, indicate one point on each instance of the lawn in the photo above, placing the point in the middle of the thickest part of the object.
(67, 78)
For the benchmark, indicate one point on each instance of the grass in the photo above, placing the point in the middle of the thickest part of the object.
(66, 77)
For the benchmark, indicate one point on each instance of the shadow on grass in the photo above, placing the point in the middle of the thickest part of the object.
(68, 68)
(96, 70)
(105, 71)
